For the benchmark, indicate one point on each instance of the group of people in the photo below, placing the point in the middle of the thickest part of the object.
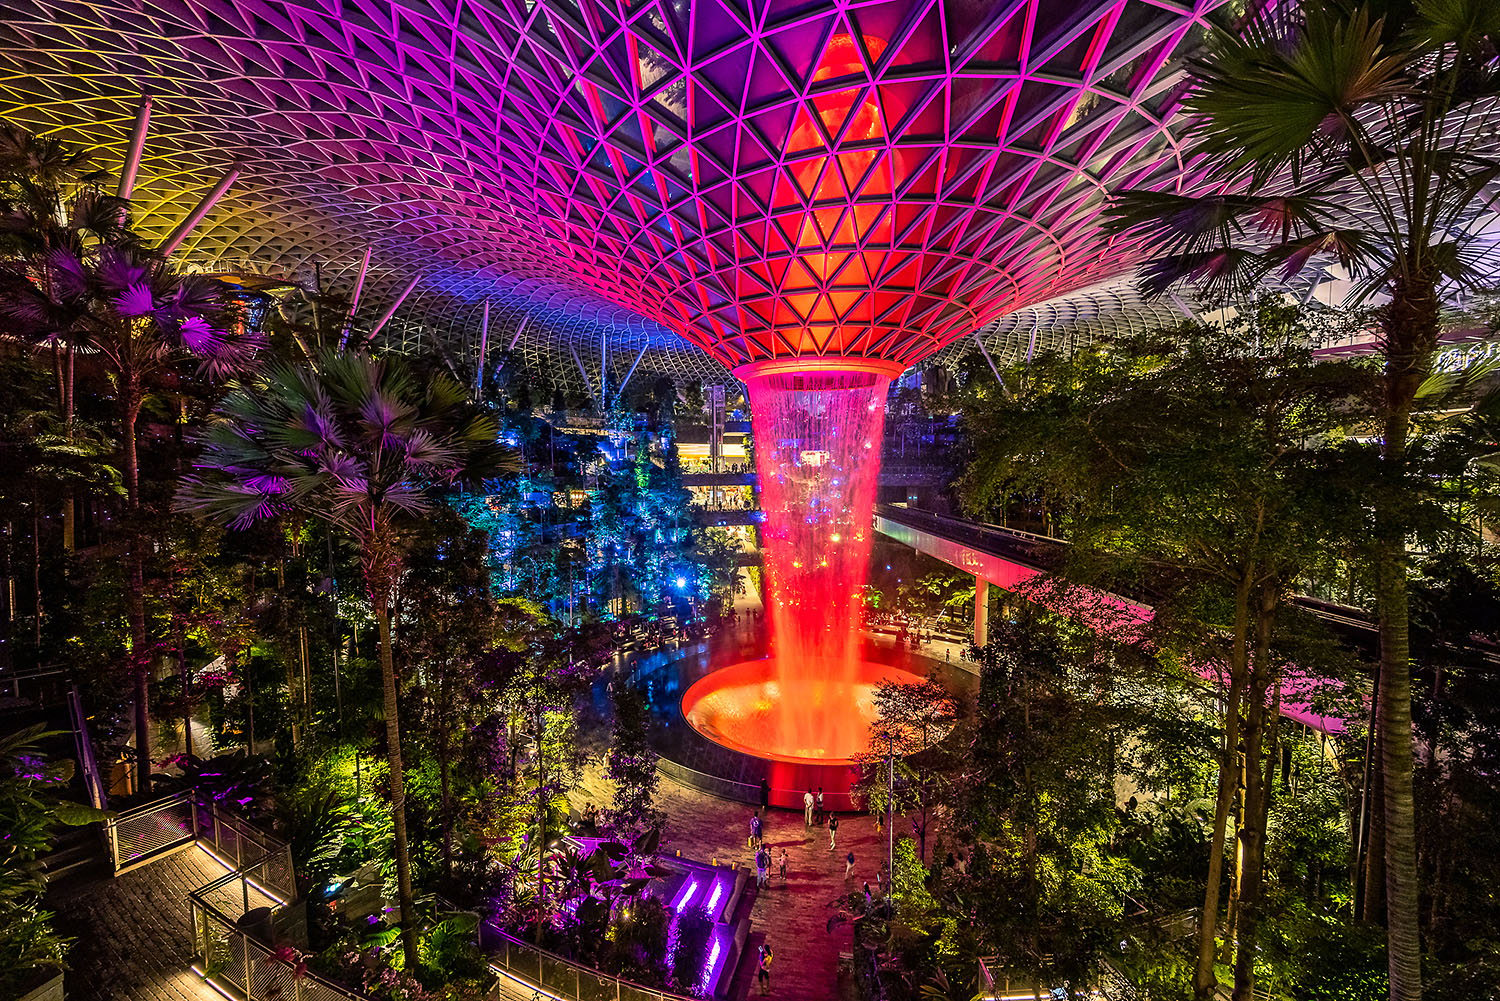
(815, 813)
(763, 860)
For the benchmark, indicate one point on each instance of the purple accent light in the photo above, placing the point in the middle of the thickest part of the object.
(687, 896)
(715, 958)
(713, 899)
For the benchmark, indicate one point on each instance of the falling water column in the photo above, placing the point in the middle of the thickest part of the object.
(818, 425)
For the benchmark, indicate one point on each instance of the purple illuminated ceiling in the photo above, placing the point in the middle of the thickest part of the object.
(764, 178)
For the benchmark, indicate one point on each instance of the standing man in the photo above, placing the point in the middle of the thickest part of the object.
(807, 808)
(757, 831)
(783, 861)
(765, 795)
(820, 814)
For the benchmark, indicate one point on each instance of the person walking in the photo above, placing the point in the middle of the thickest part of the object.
(807, 808)
(848, 865)
(762, 866)
(833, 831)
(763, 968)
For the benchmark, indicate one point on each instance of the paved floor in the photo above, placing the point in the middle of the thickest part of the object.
(134, 932)
(793, 917)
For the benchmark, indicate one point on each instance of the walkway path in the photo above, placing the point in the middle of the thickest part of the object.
(793, 917)
(134, 932)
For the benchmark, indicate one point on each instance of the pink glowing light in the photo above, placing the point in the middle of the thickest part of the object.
(711, 966)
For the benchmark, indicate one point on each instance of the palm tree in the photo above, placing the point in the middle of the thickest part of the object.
(121, 301)
(364, 444)
(1355, 133)
(51, 198)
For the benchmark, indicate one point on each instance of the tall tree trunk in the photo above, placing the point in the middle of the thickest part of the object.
(135, 589)
(1252, 838)
(380, 595)
(1373, 905)
(8, 597)
(445, 763)
(293, 701)
(36, 574)
(70, 506)
(1410, 324)
(179, 641)
(1204, 981)
(541, 811)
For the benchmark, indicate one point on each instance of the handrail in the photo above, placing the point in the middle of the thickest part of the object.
(92, 782)
(155, 805)
(145, 841)
(219, 936)
(602, 978)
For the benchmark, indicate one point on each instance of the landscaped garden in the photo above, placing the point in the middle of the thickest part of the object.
(1175, 682)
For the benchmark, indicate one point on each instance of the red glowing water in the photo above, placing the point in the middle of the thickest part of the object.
(744, 706)
(817, 450)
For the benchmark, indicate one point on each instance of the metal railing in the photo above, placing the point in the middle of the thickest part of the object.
(148, 832)
(251, 853)
(546, 974)
(227, 950)
(234, 961)
(233, 916)
(93, 782)
(243, 846)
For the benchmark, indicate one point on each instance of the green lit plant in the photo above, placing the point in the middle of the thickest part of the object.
(365, 444)
(1349, 133)
(29, 944)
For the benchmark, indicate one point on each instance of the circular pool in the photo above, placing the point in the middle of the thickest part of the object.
(809, 718)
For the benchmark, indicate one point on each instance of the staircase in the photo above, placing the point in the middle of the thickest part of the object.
(77, 857)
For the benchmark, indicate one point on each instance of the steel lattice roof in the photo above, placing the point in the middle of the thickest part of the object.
(760, 177)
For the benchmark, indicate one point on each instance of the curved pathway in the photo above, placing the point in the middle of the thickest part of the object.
(792, 917)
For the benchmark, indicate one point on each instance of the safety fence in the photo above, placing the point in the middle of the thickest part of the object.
(529, 971)
(237, 915)
(150, 831)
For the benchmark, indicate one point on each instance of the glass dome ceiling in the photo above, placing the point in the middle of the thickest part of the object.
(758, 178)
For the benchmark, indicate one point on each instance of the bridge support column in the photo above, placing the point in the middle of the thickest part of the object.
(981, 611)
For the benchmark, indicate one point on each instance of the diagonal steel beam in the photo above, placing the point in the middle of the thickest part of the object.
(484, 349)
(359, 287)
(391, 310)
(132, 163)
(204, 206)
